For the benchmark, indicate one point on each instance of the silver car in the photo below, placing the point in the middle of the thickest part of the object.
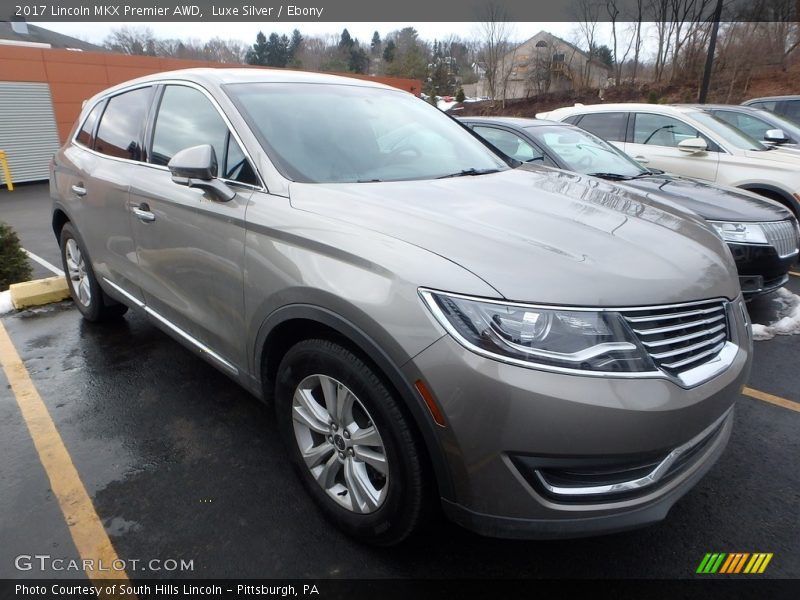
(540, 353)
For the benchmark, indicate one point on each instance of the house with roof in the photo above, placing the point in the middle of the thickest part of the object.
(545, 63)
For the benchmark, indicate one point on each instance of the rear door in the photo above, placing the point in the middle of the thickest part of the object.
(106, 156)
(653, 141)
(190, 245)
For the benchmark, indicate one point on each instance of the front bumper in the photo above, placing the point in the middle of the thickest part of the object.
(760, 268)
(505, 421)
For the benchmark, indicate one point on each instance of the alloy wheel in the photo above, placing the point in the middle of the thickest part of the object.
(340, 444)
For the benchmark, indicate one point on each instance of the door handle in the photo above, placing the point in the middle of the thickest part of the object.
(143, 213)
(641, 159)
(79, 189)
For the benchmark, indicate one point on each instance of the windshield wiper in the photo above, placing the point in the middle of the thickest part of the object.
(469, 173)
(615, 176)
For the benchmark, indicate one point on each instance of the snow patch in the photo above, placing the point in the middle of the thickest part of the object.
(6, 306)
(788, 322)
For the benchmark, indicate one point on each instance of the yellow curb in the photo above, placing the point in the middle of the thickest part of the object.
(38, 292)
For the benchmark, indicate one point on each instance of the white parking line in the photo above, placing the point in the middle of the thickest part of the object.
(47, 265)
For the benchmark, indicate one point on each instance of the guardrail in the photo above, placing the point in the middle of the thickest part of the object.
(6, 171)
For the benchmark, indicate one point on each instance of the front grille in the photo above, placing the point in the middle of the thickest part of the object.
(782, 235)
(679, 338)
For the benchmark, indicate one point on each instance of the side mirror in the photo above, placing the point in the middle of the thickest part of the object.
(693, 145)
(197, 167)
(776, 136)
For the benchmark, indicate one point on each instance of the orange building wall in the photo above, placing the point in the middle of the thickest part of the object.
(76, 76)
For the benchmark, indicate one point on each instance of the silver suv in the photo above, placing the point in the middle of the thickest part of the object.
(541, 353)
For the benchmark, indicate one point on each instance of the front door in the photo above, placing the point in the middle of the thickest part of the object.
(655, 144)
(189, 243)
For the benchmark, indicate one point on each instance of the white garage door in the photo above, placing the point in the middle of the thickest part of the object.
(28, 133)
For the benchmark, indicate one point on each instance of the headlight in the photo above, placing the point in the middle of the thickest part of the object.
(535, 336)
(745, 233)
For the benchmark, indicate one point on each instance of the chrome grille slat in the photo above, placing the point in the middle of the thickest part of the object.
(689, 349)
(681, 338)
(782, 235)
(677, 315)
(679, 326)
(686, 361)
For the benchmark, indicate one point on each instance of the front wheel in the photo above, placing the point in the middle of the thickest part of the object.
(351, 443)
(83, 287)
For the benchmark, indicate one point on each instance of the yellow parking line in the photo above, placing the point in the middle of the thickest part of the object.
(777, 400)
(84, 524)
(793, 273)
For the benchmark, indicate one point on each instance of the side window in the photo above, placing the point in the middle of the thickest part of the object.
(607, 125)
(791, 108)
(755, 128)
(572, 120)
(85, 136)
(661, 130)
(186, 118)
(766, 105)
(237, 167)
(509, 143)
(122, 122)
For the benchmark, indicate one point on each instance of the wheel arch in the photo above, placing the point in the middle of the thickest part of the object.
(293, 323)
(774, 193)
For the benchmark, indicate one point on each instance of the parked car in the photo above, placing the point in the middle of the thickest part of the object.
(543, 354)
(759, 124)
(762, 235)
(786, 106)
(689, 142)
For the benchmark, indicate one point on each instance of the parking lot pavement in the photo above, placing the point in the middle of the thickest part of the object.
(180, 463)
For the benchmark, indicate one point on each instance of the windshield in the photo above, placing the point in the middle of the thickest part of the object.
(734, 137)
(584, 152)
(323, 133)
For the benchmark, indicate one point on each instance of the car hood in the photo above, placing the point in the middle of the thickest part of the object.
(542, 235)
(711, 202)
(787, 156)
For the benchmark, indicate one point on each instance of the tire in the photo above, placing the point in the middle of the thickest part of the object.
(343, 476)
(91, 301)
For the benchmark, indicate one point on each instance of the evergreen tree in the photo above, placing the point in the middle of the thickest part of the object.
(295, 44)
(277, 50)
(389, 51)
(345, 41)
(14, 266)
(358, 60)
(257, 55)
(460, 96)
(375, 45)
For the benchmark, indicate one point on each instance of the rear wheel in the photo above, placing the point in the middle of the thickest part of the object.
(83, 287)
(350, 442)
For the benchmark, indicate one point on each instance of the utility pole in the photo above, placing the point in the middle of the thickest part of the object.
(712, 46)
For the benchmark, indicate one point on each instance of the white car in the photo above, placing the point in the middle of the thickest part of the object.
(687, 141)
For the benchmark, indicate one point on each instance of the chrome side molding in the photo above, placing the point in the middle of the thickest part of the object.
(197, 344)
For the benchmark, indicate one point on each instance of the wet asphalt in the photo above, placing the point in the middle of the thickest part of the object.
(180, 463)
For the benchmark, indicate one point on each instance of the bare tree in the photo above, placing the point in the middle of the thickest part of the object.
(637, 38)
(660, 11)
(132, 40)
(587, 14)
(495, 46)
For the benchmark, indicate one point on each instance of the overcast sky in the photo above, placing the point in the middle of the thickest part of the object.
(246, 32)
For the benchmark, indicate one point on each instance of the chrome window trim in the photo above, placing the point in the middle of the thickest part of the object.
(200, 346)
(640, 483)
(687, 379)
(261, 188)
